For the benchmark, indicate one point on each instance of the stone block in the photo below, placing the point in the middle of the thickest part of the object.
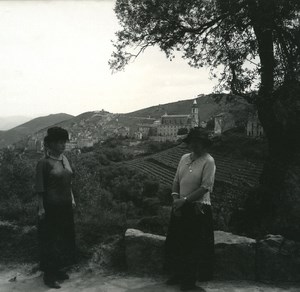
(278, 259)
(144, 252)
(234, 256)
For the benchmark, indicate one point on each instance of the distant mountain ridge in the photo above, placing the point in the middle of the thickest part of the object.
(208, 105)
(18, 133)
(7, 123)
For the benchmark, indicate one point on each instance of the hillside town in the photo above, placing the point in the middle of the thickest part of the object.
(90, 128)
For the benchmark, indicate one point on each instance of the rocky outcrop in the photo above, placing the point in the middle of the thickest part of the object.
(278, 259)
(109, 254)
(144, 252)
(234, 256)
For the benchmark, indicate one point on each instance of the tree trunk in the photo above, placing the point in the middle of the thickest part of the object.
(278, 198)
(280, 180)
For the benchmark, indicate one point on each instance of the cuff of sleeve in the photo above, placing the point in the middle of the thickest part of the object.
(207, 187)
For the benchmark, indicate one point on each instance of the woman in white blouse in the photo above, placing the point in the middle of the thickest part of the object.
(190, 238)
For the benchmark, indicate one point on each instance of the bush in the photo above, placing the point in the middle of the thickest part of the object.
(97, 215)
(17, 188)
(150, 187)
(150, 206)
(154, 147)
(240, 147)
(151, 224)
(182, 131)
(164, 195)
(107, 197)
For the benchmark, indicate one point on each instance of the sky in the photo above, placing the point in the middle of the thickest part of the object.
(54, 58)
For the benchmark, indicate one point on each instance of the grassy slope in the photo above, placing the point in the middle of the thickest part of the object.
(21, 131)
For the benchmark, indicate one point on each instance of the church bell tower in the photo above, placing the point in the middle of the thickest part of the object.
(195, 115)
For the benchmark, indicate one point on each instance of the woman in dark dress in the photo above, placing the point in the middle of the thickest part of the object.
(55, 208)
(190, 238)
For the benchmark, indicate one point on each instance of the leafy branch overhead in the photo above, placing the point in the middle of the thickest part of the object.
(229, 36)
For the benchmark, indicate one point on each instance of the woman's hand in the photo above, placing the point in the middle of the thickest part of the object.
(41, 213)
(73, 200)
(175, 196)
(178, 203)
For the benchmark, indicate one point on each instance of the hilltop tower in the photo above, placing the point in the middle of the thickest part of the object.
(195, 115)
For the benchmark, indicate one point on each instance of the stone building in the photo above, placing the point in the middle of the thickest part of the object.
(254, 127)
(223, 122)
(32, 145)
(85, 142)
(70, 145)
(169, 125)
(138, 135)
(122, 131)
(145, 130)
(195, 115)
(203, 124)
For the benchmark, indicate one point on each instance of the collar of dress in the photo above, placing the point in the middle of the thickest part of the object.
(55, 158)
(191, 161)
(61, 158)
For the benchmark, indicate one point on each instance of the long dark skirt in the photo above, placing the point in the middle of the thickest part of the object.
(189, 246)
(57, 238)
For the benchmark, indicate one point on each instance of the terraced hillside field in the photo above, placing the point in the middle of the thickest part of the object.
(163, 166)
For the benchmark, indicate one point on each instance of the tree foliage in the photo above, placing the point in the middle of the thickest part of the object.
(243, 37)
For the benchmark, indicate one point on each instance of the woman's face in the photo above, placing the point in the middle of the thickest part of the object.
(58, 147)
(196, 146)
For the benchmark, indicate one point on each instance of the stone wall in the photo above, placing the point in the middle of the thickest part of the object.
(236, 257)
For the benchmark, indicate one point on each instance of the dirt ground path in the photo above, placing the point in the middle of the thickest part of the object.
(21, 279)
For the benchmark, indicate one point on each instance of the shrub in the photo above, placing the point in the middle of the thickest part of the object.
(17, 193)
(150, 187)
(164, 195)
(150, 206)
(97, 215)
(151, 224)
(154, 147)
(182, 131)
(107, 197)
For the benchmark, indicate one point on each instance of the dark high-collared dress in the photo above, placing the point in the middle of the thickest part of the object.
(56, 231)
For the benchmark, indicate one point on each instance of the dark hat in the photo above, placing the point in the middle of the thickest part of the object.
(55, 134)
(198, 134)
